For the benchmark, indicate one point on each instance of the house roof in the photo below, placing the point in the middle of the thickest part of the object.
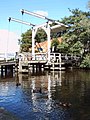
(44, 45)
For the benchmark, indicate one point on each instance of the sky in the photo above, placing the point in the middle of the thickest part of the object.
(10, 31)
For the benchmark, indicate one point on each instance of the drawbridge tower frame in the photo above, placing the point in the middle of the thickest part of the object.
(45, 26)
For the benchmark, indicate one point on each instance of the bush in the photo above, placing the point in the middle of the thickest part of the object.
(86, 62)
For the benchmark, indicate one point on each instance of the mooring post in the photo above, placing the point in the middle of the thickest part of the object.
(33, 68)
(40, 67)
(10, 67)
(6, 70)
(1, 71)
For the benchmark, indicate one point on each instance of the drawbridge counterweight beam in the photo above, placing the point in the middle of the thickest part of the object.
(20, 21)
(36, 15)
(41, 16)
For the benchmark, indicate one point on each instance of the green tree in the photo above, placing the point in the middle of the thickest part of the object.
(41, 35)
(77, 48)
(26, 41)
(63, 47)
(77, 35)
(78, 30)
(54, 44)
(86, 62)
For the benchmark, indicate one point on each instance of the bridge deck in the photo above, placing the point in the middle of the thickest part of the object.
(4, 63)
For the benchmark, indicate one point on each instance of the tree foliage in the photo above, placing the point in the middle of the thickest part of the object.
(54, 44)
(77, 48)
(78, 30)
(77, 35)
(86, 62)
(63, 47)
(26, 41)
(41, 35)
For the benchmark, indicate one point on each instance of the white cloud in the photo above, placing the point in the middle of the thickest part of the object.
(44, 13)
(8, 42)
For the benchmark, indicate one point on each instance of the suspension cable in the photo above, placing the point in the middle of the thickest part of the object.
(7, 43)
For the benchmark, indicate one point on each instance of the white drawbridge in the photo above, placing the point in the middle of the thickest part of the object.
(45, 26)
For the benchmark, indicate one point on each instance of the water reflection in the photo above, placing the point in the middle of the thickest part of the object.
(71, 87)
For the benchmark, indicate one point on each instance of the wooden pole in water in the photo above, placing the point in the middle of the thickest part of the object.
(6, 70)
(1, 71)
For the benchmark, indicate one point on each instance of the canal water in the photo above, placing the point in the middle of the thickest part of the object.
(54, 95)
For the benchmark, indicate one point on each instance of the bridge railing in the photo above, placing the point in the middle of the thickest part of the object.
(41, 56)
(64, 57)
(44, 57)
(29, 57)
